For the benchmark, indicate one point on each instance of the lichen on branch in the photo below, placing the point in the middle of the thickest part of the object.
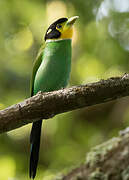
(107, 161)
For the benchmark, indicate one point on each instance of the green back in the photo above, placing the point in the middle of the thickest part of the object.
(54, 69)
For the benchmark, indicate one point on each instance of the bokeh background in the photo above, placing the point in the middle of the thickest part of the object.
(100, 50)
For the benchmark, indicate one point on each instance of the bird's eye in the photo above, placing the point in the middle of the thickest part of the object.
(59, 26)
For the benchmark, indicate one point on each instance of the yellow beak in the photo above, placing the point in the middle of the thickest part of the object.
(72, 20)
(67, 32)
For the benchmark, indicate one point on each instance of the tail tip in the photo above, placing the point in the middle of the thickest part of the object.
(32, 175)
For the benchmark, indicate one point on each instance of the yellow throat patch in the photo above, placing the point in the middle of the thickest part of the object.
(66, 32)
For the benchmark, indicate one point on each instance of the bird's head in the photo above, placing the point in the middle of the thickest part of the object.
(61, 29)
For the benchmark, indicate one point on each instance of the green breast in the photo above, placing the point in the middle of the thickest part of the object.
(54, 71)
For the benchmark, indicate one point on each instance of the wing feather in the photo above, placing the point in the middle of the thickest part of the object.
(35, 68)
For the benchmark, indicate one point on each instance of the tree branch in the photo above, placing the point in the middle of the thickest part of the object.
(108, 161)
(46, 105)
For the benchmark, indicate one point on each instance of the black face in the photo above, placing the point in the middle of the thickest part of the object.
(52, 32)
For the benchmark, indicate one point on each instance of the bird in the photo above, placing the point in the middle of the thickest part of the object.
(51, 71)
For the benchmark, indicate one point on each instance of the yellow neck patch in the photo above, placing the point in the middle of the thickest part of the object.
(66, 31)
(67, 34)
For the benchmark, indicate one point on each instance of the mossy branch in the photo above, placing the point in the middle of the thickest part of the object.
(108, 161)
(46, 105)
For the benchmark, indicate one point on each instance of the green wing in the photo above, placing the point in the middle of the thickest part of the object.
(35, 68)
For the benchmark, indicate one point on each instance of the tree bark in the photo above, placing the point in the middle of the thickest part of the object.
(108, 161)
(46, 105)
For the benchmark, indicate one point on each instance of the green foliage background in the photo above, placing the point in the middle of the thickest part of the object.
(100, 50)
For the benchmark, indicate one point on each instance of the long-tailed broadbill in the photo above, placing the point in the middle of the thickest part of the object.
(51, 72)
